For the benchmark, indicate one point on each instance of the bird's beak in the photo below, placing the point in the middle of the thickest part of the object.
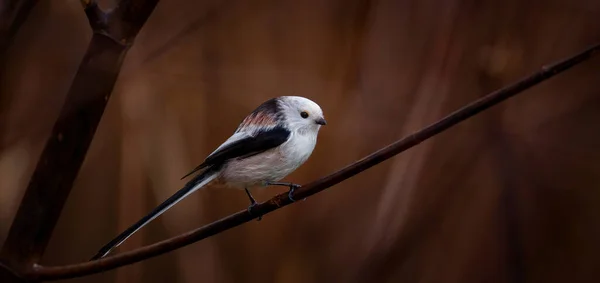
(321, 121)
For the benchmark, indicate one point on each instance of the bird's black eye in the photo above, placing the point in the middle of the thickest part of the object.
(304, 114)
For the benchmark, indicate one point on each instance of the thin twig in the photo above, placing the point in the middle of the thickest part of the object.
(81, 269)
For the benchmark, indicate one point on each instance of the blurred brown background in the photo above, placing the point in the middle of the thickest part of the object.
(509, 196)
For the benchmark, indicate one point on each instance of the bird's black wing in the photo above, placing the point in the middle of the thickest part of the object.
(246, 147)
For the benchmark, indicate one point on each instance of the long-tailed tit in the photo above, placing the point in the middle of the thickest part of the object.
(270, 143)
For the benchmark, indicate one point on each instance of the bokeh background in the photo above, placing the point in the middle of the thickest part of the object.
(511, 195)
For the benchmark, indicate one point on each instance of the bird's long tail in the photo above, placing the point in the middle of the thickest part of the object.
(193, 185)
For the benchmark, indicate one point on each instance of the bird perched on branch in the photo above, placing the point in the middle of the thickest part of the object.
(270, 143)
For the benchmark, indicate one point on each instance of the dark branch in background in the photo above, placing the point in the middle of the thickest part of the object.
(72, 134)
(281, 200)
(97, 18)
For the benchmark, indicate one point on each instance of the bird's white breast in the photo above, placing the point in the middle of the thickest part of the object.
(271, 165)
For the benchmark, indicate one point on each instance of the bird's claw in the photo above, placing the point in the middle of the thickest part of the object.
(293, 188)
(252, 204)
(251, 213)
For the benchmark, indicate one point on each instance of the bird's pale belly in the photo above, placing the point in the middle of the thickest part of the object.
(254, 171)
(272, 165)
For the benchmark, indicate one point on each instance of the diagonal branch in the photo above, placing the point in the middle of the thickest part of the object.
(122, 23)
(281, 200)
(96, 17)
(73, 132)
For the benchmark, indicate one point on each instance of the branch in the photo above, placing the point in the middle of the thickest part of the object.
(72, 134)
(96, 17)
(281, 200)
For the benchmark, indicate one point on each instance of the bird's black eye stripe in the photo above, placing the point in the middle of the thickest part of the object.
(304, 114)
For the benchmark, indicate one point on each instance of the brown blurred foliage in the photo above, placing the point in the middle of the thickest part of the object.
(509, 196)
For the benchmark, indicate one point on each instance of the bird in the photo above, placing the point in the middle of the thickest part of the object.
(270, 143)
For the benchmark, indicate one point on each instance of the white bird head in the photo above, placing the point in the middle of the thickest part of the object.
(295, 113)
(301, 114)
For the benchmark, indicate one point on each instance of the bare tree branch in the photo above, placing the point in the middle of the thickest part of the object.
(73, 132)
(281, 200)
(96, 17)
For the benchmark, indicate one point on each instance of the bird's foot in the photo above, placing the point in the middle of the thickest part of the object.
(292, 187)
(252, 204)
(252, 213)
